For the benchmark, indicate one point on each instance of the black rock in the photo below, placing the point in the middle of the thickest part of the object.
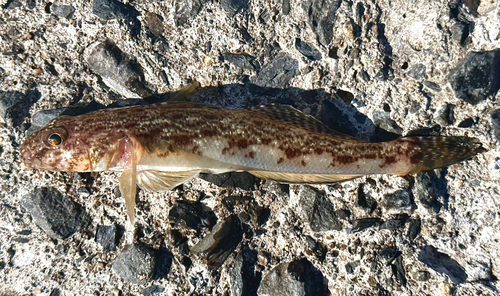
(314, 247)
(163, 262)
(442, 263)
(351, 266)
(58, 215)
(429, 189)
(477, 77)
(107, 236)
(113, 9)
(153, 290)
(365, 201)
(285, 7)
(398, 270)
(389, 254)
(298, 277)
(417, 72)
(318, 209)
(460, 32)
(186, 9)
(191, 214)
(395, 223)
(232, 7)
(244, 278)
(364, 223)
(383, 121)
(277, 72)
(321, 16)
(468, 122)
(432, 86)
(15, 106)
(135, 264)
(64, 11)
(414, 228)
(307, 50)
(118, 70)
(218, 245)
(56, 292)
(400, 201)
(445, 115)
(243, 61)
(245, 181)
(495, 120)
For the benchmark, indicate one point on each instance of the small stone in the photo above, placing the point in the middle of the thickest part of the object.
(383, 121)
(245, 181)
(466, 123)
(277, 72)
(113, 9)
(218, 245)
(243, 61)
(365, 200)
(495, 120)
(398, 271)
(285, 7)
(107, 236)
(364, 223)
(307, 50)
(395, 223)
(232, 7)
(135, 264)
(154, 23)
(119, 71)
(318, 210)
(417, 72)
(398, 202)
(191, 214)
(321, 16)
(445, 115)
(432, 86)
(443, 263)
(414, 228)
(477, 77)
(423, 275)
(153, 290)
(428, 189)
(351, 266)
(185, 10)
(56, 292)
(64, 11)
(298, 277)
(15, 106)
(42, 118)
(460, 32)
(57, 215)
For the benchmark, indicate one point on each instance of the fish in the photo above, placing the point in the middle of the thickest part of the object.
(160, 146)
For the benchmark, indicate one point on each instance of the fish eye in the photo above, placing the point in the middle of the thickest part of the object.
(55, 140)
(56, 136)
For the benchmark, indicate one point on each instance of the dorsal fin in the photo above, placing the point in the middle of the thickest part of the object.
(187, 105)
(291, 115)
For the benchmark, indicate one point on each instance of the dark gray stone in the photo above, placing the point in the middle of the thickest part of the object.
(429, 189)
(285, 7)
(466, 123)
(232, 7)
(477, 77)
(298, 277)
(400, 201)
(395, 223)
(442, 263)
(186, 9)
(383, 121)
(118, 70)
(417, 72)
(318, 209)
(321, 16)
(42, 118)
(135, 264)
(277, 72)
(432, 86)
(414, 228)
(191, 214)
(107, 236)
(245, 181)
(218, 245)
(113, 9)
(364, 223)
(307, 50)
(423, 276)
(351, 266)
(243, 61)
(446, 115)
(7, 101)
(153, 290)
(15, 106)
(495, 120)
(57, 215)
(398, 271)
(64, 11)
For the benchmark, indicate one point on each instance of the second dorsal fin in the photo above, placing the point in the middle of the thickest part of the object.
(290, 114)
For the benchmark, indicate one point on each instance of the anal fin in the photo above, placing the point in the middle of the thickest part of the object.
(163, 181)
(302, 178)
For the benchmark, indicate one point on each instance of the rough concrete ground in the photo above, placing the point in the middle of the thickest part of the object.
(368, 68)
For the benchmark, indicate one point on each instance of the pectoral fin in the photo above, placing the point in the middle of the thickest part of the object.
(128, 190)
(302, 178)
(164, 181)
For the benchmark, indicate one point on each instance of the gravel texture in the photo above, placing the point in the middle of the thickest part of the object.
(373, 69)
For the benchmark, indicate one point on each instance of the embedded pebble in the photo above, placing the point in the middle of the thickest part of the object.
(135, 264)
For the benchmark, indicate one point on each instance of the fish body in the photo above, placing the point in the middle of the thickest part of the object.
(160, 146)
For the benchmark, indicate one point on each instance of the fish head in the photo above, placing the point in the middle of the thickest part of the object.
(59, 146)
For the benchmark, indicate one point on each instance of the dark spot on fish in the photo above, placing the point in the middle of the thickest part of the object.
(370, 156)
(318, 151)
(251, 154)
(416, 157)
(388, 160)
(265, 141)
(345, 159)
(303, 163)
(280, 160)
(292, 153)
(242, 143)
(225, 150)
(207, 133)
(177, 116)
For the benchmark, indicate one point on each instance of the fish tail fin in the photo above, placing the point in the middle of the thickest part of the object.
(439, 152)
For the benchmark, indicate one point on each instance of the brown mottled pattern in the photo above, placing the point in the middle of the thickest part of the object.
(169, 127)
